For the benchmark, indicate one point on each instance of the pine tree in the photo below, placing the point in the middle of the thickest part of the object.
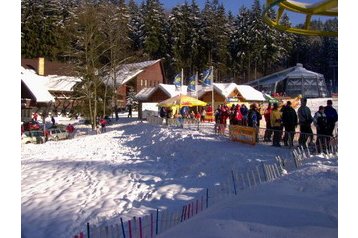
(135, 26)
(185, 37)
(154, 29)
(86, 53)
(41, 28)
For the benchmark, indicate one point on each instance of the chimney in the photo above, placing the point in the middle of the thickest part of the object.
(41, 66)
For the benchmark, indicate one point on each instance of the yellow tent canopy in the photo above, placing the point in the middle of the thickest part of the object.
(181, 101)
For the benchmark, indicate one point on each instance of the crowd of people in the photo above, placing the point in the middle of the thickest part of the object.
(281, 122)
(186, 113)
(287, 119)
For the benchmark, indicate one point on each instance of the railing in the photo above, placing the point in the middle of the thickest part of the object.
(158, 221)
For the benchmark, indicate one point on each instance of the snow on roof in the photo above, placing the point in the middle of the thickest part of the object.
(128, 71)
(37, 85)
(249, 93)
(171, 90)
(61, 83)
(225, 88)
(145, 93)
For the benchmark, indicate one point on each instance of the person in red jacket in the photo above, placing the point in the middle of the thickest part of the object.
(70, 129)
(103, 123)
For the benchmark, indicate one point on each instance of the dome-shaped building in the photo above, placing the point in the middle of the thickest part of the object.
(292, 82)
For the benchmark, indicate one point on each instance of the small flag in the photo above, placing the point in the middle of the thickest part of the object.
(192, 84)
(177, 81)
(208, 77)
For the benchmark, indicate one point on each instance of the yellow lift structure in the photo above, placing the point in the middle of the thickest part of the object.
(327, 8)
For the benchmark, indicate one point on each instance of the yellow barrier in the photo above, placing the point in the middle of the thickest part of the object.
(243, 134)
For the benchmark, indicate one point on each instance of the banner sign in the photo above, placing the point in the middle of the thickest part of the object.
(232, 100)
(243, 134)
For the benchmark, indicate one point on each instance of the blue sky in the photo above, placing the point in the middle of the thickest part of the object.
(234, 6)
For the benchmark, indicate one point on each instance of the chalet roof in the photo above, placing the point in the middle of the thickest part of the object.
(61, 83)
(41, 85)
(127, 72)
(225, 89)
(250, 94)
(37, 85)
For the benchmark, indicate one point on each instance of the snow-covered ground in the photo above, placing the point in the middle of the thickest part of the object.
(135, 168)
(302, 204)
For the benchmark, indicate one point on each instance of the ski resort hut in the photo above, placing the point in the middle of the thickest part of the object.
(148, 98)
(135, 77)
(292, 82)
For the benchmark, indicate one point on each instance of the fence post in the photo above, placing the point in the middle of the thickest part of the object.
(233, 180)
(207, 198)
(248, 179)
(88, 230)
(264, 169)
(295, 158)
(253, 177)
(197, 204)
(277, 170)
(123, 232)
(140, 228)
(151, 225)
(182, 214)
(157, 224)
(258, 174)
(130, 228)
(243, 181)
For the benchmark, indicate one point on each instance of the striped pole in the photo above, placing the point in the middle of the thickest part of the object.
(123, 232)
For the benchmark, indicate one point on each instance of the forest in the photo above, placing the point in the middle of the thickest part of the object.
(97, 36)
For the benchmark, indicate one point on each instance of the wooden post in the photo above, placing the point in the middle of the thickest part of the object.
(207, 198)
